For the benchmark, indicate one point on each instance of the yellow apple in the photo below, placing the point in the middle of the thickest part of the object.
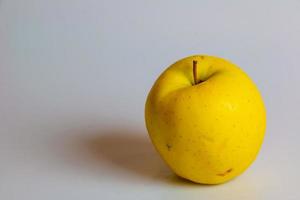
(206, 119)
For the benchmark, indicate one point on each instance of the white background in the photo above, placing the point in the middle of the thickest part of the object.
(74, 76)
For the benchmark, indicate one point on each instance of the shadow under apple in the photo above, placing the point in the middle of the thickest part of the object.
(119, 151)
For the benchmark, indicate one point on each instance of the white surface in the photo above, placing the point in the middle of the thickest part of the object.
(74, 76)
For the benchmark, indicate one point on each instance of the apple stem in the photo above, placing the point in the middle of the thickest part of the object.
(195, 71)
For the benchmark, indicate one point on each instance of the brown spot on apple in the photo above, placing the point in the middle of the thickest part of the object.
(169, 147)
(225, 173)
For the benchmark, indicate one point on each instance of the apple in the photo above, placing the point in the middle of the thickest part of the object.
(206, 118)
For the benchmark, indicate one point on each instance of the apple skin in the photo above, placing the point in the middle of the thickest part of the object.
(209, 132)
